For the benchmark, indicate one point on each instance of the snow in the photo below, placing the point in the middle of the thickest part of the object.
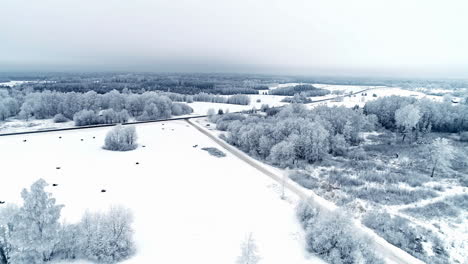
(12, 83)
(189, 206)
(17, 125)
(201, 108)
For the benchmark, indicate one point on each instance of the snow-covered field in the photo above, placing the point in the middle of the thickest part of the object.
(12, 83)
(189, 207)
(359, 99)
(16, 125)
(201, 108)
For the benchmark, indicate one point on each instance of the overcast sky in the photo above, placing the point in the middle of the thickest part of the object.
(359, 37)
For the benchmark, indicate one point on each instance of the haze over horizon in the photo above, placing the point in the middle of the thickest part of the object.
(360, 38)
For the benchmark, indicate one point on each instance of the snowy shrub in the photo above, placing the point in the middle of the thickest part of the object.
(450, 207)
(342, 179)
(59, 118)
(392, 195)
(264, 107)
(181, 109)
(357, 154)
(304, 179)
(305, 212)
(338, 145)
(400, 232)
(223, 121)
(121, 138)
(86, 118)
(333, 237)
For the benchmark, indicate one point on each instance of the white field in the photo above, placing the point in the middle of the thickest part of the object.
(201, 108)
(189, 207)
(359, 99)
(12, 83)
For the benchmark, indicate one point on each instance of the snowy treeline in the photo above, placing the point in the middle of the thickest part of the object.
(239, 99)
(412, 116)
(296, 134)
(121, 138)
(299, 98)
(306, 89)
(108, 116)
(94, 108)
(32, 233)
(333, 237)
(101, 108)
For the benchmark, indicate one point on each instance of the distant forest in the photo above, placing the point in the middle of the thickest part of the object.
(194, 83)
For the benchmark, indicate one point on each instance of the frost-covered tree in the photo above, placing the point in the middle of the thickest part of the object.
(181, 109)
(106, 237)
(240, 99)
(86, 117)
(7, 223)
(249, 252)
(283, 153)
(338, 145)
(121, 138)
(441, 154)
(36, 226)
(332, 236)
(406, 118)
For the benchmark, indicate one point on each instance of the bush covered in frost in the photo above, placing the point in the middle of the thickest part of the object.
(59, 118)
(333, 237)
(121, 138)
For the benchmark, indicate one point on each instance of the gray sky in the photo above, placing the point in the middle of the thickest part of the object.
(359, 37)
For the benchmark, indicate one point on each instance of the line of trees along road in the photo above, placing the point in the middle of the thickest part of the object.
(92, 108)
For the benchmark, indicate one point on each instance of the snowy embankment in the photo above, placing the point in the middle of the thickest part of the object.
(189, 207)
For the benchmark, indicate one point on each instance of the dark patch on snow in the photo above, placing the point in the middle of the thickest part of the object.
(215, 152)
